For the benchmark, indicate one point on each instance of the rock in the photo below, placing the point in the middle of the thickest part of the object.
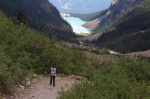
(31, 87)
(33, 80)
(21, 87)
(28, 83)
(72, 76)
(79, 78)
(27, 79)
(61, 75)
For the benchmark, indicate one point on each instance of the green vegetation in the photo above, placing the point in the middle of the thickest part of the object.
(102, 28)
(114, 12)
(23, 51)
(131, 31)
(120, 78)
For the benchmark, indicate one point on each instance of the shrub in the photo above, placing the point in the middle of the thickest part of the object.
(119, 79)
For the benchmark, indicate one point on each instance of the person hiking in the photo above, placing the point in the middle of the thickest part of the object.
(53, 71)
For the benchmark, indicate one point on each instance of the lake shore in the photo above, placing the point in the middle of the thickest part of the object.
(76, 24)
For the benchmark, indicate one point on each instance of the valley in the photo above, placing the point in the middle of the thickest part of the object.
(104, 48)
(76, 24)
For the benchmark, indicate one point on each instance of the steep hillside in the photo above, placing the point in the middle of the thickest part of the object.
(117, 8)
(131, 31)
(1, 14)
(41, 15)
(24, 51)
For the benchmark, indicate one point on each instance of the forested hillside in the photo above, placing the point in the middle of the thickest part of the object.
(131, 31)
(117, 8)
(118, 78)
(40, 15)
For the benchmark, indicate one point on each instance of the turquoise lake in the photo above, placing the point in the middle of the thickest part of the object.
(76, 24)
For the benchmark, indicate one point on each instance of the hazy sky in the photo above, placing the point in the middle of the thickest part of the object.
(81, 6)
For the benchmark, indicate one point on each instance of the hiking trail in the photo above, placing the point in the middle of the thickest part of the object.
(41, 89)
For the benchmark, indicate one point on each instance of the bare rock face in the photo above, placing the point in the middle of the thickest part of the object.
(114, 2)
(118, 7)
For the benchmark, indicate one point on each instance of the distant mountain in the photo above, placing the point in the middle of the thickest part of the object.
(80, 6)
(41, 15)
(90, 16)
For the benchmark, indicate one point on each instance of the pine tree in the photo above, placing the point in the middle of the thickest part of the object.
(22, 16)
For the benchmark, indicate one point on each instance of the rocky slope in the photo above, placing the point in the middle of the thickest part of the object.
(118, 7)
(131, 31)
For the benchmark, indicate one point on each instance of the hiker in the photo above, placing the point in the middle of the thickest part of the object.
(53, 71)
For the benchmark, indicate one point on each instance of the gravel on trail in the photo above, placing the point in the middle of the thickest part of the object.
(41, 89)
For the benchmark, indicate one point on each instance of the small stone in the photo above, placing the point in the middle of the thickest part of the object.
(21, 87)
(28, 82)
(72, 76)
(31, 87)
(32, 81)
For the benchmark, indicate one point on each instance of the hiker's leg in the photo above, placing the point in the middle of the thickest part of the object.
(51, 78)
(54, 81)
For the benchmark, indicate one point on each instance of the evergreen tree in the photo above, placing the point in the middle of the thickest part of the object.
(22, 15)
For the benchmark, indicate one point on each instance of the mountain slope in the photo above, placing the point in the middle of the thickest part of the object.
(131, 31)
(117, 8)
(41, 15)
(24, 51)
(90, 16)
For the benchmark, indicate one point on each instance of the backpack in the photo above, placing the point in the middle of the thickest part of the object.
(53, 71)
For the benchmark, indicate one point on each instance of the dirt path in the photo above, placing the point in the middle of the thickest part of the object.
(42, 90)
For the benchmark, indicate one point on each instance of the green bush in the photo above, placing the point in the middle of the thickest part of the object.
(26, 50)
(11, 73)
(117, 79)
